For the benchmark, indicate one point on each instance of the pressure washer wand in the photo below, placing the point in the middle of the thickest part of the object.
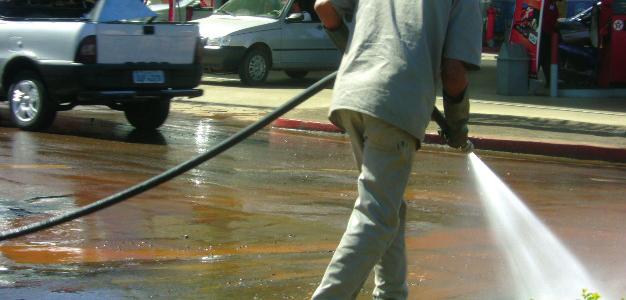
(438, 117)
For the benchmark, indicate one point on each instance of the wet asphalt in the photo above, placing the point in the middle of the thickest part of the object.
(261, 220)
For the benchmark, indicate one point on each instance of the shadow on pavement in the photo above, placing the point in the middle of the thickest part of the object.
(552, 125)
(90, 124)
(276, 80)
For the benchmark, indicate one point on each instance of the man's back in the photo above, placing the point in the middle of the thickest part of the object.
(393, 61)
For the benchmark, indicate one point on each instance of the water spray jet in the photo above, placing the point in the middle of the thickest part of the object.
(540, 266)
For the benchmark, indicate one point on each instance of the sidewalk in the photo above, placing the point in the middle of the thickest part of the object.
(583, 128)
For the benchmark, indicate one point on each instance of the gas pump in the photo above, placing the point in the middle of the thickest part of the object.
(612, 42)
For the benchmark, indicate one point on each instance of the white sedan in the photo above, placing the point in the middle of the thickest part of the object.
(253, 37)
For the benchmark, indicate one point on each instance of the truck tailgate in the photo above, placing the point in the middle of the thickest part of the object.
(146, 43)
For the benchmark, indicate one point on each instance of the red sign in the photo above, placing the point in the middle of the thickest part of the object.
(526, 29)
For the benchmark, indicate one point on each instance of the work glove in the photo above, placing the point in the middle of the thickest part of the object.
(456, 112)
(339, 36)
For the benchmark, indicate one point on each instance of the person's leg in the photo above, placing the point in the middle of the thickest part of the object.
(386, 156)
(390, 272)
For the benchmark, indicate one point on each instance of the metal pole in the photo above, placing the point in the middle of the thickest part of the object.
(554, 66)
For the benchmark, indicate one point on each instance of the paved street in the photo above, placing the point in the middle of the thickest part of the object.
(261, 220)
(580, 121)
(241, 225)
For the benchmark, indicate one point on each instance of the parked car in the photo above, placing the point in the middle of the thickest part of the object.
(185, 10)
(55, 55)
(253, 37)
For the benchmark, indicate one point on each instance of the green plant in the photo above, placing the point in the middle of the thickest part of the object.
(587, 295)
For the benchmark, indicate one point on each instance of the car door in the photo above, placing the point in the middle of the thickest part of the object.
(305, 44)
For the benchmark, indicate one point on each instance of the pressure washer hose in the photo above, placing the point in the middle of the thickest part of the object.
(235, 139)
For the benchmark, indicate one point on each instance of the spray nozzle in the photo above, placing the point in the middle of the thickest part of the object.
(438, 117)
(468, 147)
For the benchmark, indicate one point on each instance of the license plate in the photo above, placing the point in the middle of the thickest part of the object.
(148, 77)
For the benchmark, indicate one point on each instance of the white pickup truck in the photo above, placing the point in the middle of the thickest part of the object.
(56, 54)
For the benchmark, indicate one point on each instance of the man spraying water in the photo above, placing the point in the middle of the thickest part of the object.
(383, 98)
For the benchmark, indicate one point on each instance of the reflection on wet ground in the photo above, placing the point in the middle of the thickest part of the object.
(261, 220)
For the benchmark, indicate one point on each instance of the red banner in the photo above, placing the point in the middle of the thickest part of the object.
(526, 29)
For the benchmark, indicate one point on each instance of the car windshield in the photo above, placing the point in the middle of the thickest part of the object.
(46, 8)
(257, 8)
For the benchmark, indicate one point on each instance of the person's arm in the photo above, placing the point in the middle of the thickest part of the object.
(331, 19)
(331, 14)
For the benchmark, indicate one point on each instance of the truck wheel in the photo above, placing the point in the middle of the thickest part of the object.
(30, 107)
(255, 67)
(147, 115)
(296, 74)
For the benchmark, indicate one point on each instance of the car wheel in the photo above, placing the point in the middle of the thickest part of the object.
(255, 67)
(30, 107)
(296, 74)
(148, 115)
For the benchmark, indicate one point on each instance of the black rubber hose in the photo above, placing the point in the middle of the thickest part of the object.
(438, 117)
(175, 171)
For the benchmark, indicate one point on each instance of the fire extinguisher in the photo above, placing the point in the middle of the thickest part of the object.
(490, 26)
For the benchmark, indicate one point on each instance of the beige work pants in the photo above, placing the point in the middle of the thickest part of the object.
(374, 237)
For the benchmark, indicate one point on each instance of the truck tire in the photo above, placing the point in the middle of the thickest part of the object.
(254, 67)
(148, 115)
(29, 105)
(296, 74)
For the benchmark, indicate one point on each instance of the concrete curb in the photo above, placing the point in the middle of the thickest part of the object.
(576, 151)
